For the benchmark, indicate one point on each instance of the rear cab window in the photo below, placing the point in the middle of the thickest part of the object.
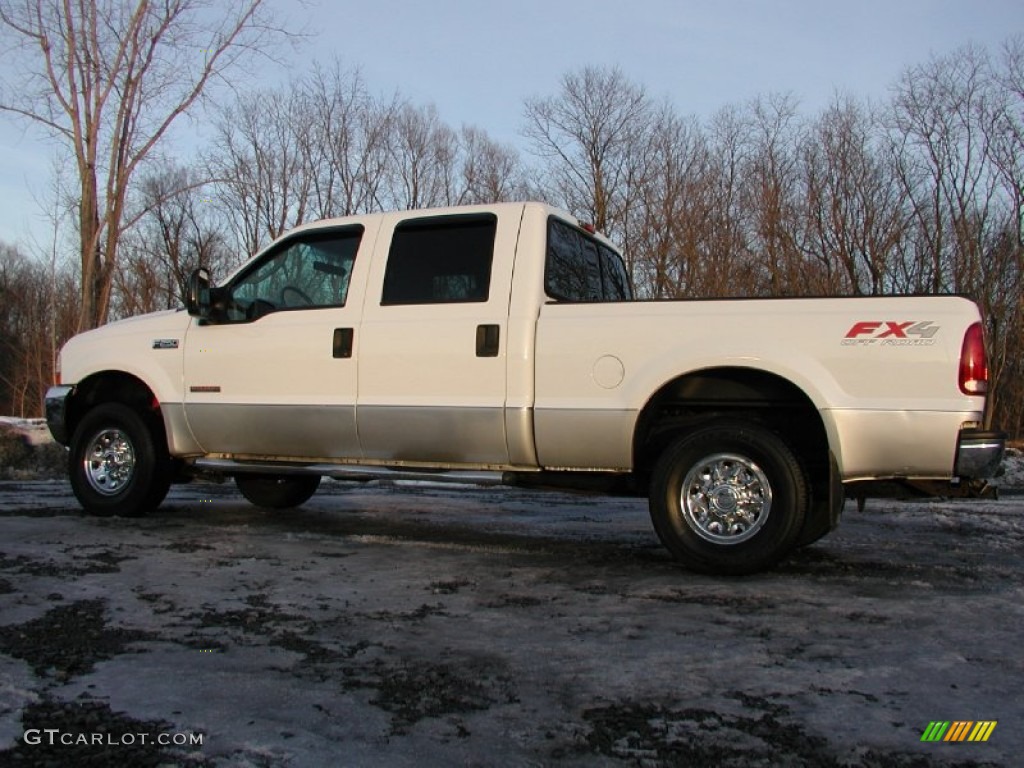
(580, 268)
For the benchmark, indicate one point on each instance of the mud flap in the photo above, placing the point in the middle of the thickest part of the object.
(827, 499)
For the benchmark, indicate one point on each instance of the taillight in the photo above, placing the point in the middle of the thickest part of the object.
(973, 364)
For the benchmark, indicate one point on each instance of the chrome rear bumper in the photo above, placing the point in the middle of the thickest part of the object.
(979, 453)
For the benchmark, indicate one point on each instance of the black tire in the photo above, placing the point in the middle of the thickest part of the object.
(277, 491)
(745, 504)
(117, 463)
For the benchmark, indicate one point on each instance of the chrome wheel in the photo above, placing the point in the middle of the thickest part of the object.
(728, 497)
(725, 498)
(109, 462)
(118, 461)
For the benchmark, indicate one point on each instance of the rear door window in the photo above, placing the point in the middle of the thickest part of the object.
(444, 260)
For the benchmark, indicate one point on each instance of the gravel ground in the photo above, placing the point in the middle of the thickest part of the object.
(412, 624)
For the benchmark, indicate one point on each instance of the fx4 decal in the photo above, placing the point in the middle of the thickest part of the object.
(911, 333)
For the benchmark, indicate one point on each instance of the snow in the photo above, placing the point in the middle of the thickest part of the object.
(1012, 476)
(33, 429)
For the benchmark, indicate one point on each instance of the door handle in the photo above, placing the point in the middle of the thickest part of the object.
(487, 338)
(342, 342)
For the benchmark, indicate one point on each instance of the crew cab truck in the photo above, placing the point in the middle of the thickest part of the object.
(503, 342)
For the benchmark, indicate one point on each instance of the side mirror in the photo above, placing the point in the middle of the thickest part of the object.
(197, 299)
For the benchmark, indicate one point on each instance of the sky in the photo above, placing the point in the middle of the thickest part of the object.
(478, 61)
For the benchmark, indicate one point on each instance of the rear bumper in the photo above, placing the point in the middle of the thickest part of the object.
(57, 412)
(979, 453)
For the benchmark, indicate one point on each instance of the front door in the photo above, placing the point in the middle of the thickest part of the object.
(274, 375)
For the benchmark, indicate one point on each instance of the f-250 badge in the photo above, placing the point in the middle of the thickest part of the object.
(890, 333)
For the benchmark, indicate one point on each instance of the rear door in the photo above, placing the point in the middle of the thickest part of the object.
(432, 346)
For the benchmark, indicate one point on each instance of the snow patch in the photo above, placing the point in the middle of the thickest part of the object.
(34, 430)
(1012, 470)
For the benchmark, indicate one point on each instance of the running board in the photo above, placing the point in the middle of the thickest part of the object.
(350, 472)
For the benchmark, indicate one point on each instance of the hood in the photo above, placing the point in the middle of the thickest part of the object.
(124, 345)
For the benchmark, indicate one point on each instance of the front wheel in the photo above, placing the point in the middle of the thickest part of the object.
(278, 491)
(728, 498)
(116, 463)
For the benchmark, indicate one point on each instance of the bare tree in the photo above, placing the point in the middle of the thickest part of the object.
(324, 147)
(491, 172)
(1007, 321)
(432, 164)
(771, 192)
(107, 79)
(997, 276)
(729, 239)
(941, 150)
(670, 237)
(1006, 135)
(37, 303)
(854, 204)
(592, 139)
(423, 151)
(179, 232)
(955, 128)
(262, 164)
(348, 141)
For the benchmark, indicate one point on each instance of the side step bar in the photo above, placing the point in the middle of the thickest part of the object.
(610, 483)
(349, 472)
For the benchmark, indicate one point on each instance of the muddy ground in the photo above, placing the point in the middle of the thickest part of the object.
(416, 625)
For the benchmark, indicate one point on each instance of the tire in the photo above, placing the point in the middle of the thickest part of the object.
(117, 464)
(728, 498)
(278, 491)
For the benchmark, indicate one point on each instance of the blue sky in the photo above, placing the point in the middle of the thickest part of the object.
(478, 60)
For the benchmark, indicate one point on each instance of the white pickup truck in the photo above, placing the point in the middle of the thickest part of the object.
(503, 342)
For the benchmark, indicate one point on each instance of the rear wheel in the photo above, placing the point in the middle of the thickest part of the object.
(728, 498)
(277, 491)
(117, 463)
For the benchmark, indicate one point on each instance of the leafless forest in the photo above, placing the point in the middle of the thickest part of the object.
(921, 191)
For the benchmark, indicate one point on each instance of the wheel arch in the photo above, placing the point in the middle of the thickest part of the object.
(764, 397)
(116, 387)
